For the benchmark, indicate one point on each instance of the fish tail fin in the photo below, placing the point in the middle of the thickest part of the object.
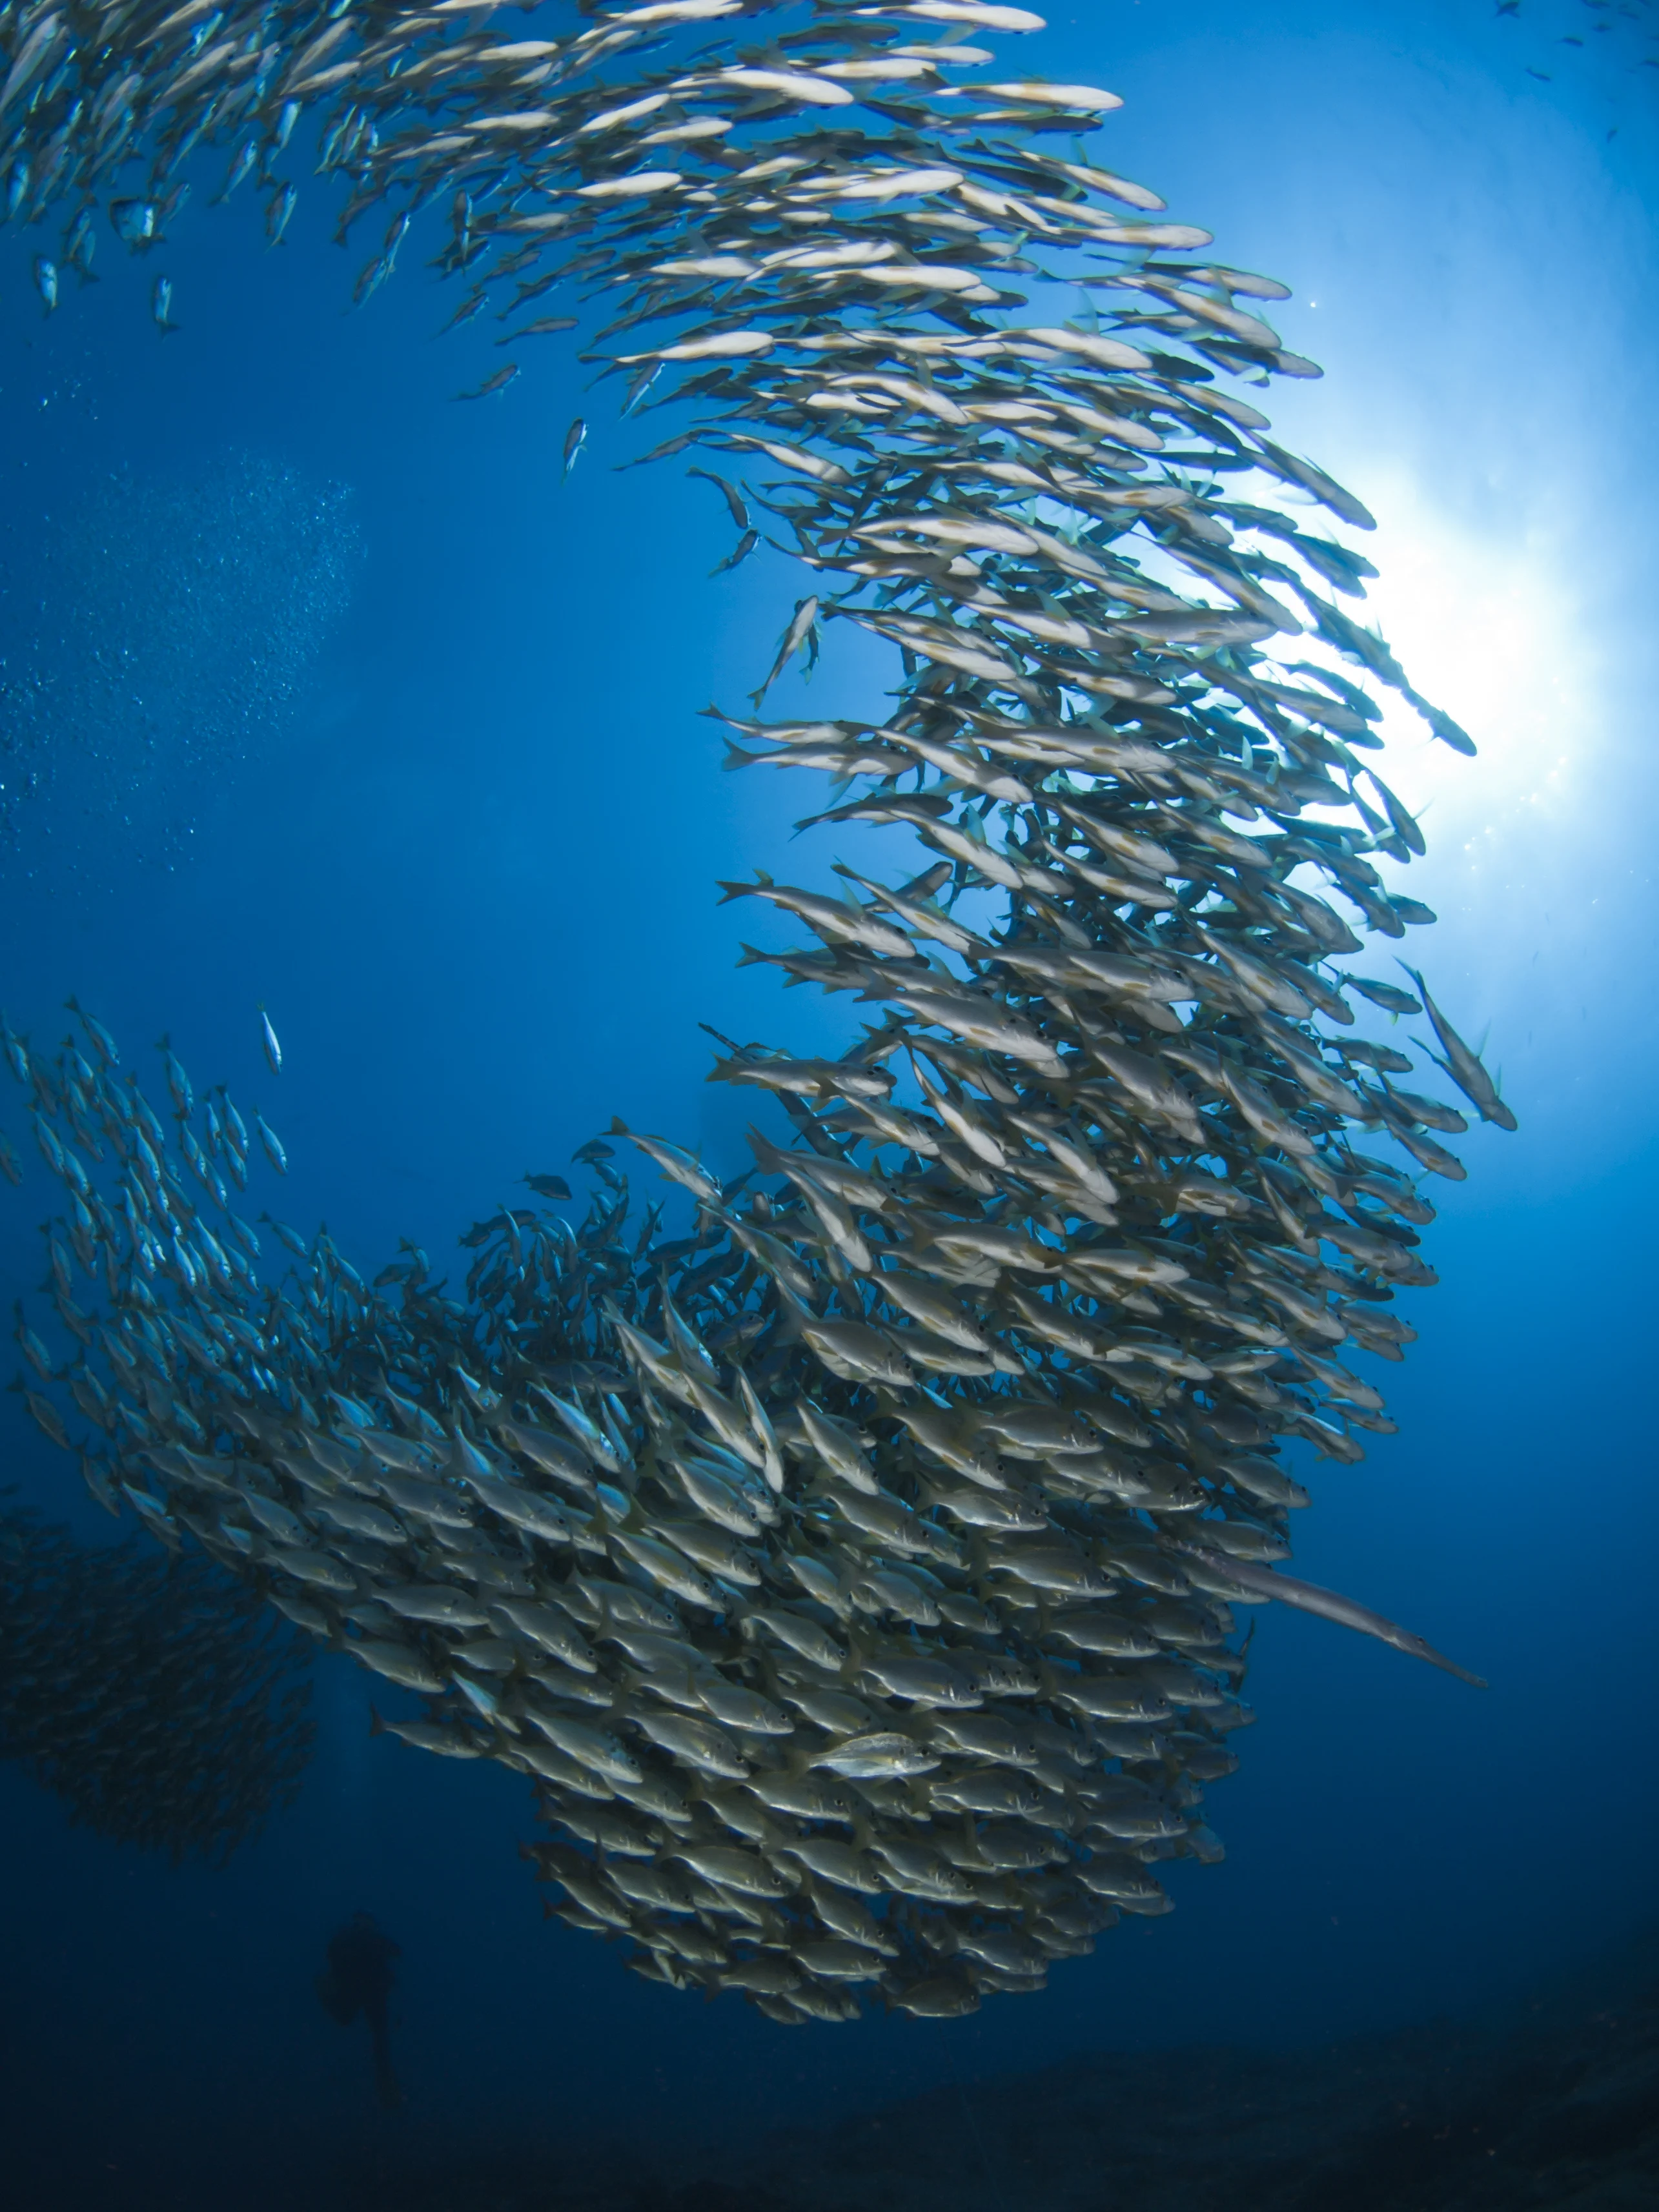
(376, 1725)
(793, 1314)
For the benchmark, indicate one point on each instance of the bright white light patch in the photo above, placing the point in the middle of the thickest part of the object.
(1485, 627)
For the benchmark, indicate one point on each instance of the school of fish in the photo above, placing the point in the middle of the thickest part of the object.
(854, 1572)
(154, 1696)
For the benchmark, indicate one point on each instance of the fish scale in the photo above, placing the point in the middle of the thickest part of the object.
(1160, 1191)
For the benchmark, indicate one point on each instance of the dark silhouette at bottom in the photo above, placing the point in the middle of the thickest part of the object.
(359, 1978)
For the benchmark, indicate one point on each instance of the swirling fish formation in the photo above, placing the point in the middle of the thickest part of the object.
(854, 1571)
(156, 1697)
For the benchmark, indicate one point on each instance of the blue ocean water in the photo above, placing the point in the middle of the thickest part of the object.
(394, 732)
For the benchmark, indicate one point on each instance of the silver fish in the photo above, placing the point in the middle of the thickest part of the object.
(911, 1486)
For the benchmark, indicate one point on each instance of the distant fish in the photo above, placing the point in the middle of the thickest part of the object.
(735, 559)
(734, 497)
(45, 281)
(802, 632)
(1463, 1066)
(179, 1084)
(135, 222)
(1392, 999)
(272, 1144)
(1329, 1605)
(575, 439)
(545, 328)
(278, 213)
(469, 308)
(161, 305)
(642, 381)
(273, 1049)
(131, 1681)
(239, 167)
(33, 1349)
(499, 382)
(547, 1186)
(79, 245)
(103, 1043)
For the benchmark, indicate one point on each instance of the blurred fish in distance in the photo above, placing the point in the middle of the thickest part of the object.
(151, 1694)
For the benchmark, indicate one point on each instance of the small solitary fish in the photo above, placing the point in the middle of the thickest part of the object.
(1463, 1066)
(273, 1049)
(746, 546)
(543, 328)
(277, 214)
(239, 168)
(499, 382)
(734, 497)
(79, 246)
(135, 222)
(575, 439)
(161, 305)
(802, 631)
(272, 1144)
(1388, 996)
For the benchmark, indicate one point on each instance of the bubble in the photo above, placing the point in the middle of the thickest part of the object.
(156, 637)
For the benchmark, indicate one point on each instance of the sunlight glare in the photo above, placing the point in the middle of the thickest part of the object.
(1486, 629)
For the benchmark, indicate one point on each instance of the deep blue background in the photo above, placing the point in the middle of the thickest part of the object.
(474, 883)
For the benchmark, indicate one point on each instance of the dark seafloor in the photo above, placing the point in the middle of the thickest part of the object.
(1383, 1998)
(1551, 2105)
